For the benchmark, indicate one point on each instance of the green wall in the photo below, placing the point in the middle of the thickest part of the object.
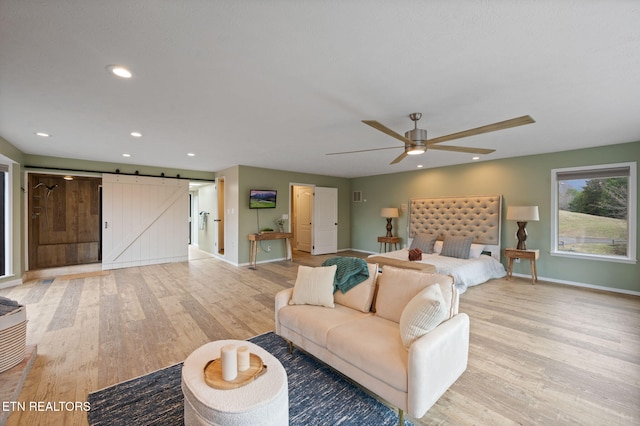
(12, 155)
(56, 163)
(521, 181)
(260, 178)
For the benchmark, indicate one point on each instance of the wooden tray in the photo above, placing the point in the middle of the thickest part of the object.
(213, 373)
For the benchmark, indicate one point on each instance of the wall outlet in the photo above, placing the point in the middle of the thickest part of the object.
(268, 248)
(517, 260)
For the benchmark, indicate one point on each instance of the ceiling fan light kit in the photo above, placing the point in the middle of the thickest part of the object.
(416, 142)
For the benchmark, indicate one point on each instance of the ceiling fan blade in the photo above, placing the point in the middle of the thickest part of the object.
(362, 150)
(399, 158)
(388, 131)
(462, 149)
(514, 122)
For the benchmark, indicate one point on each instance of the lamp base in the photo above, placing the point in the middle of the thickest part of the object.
(389, 227)
(521, 235)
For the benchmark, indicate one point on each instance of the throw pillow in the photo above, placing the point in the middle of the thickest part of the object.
(456, 247)
(476, 251)
(422, 314)
(437, 247)
(314, 286)
(360, 296)
(415, 254)
(424, 242)
(397, 286)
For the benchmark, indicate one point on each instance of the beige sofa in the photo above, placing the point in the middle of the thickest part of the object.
(375, 349)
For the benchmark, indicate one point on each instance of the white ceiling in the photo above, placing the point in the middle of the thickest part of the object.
(279, 84)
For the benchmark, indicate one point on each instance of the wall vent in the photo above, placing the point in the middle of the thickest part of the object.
(357, 196)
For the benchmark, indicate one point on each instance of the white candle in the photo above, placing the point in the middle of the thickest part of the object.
(229, 362)
(243, 358)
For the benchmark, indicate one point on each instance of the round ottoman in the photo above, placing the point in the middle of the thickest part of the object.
(264, 401)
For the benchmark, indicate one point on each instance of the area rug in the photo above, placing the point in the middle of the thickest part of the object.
(317, 395)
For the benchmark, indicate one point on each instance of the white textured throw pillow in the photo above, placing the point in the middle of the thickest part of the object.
(422, 314)
(314, 286)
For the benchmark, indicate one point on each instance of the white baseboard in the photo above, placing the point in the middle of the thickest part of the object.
(578, 284)
(11, 283)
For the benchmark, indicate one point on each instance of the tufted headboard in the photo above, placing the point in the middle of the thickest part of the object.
(477, 216)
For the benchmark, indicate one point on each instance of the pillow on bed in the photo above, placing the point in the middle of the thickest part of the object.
(456, 247)
(475, 251)
(437, 247)
(422, 314)
(360, 296)
(314, 286)
(424, 242)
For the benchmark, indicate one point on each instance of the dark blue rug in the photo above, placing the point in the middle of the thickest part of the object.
(317, 395)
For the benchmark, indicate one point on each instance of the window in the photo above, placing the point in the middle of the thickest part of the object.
(594, 212)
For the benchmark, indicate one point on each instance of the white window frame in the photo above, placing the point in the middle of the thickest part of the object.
(632, 214)
(7, 167)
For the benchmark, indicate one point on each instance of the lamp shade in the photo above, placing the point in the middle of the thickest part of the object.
(389, 212)
(523, 213)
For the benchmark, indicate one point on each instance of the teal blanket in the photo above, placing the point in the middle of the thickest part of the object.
(350, 272)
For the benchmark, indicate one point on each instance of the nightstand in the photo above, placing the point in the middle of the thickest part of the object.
(388, 242)
(532, 255)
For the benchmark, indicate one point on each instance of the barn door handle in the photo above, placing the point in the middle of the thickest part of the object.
(106, 225)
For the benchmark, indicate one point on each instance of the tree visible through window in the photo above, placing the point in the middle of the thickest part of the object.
(593, 211)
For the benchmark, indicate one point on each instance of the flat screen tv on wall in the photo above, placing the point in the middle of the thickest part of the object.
(262, 198)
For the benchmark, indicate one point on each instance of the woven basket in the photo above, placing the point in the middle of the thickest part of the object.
(13, 338)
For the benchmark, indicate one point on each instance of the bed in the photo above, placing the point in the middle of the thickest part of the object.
(476, 217)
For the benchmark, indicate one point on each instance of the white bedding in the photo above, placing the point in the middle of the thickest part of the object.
(466, 272)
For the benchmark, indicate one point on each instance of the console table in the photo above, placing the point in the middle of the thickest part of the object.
(262, 236)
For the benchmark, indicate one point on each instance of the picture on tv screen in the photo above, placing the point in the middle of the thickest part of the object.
(262, 199)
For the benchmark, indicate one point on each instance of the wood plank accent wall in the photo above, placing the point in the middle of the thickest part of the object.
(64, 221)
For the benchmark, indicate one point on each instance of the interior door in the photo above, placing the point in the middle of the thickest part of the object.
(144, 221)
(325, 221)
(303, 219)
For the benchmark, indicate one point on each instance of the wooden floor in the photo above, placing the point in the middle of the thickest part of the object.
(540, 354)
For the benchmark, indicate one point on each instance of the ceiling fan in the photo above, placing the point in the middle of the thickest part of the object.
(416, 142)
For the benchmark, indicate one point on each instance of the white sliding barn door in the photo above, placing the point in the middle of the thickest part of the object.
(325, 220)
(144, 220)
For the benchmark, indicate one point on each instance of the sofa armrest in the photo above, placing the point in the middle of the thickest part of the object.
(282, 300)
(436, 360)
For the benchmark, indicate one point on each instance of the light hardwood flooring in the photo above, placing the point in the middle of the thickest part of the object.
(540, 354)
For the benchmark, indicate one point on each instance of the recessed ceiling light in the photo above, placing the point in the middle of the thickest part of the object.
(136, 134)
(126, 155)
(43, 134)
(191, 154)
(420, 166)
(120, 71)
(475, 158)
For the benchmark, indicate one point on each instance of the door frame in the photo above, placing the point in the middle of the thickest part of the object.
(290, 209)
(25, 203)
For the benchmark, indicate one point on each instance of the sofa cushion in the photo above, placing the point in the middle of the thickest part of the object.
(373, 345)
(314, 286)
(304, 320)
(422, 314)
(360, 296)
(397, 286)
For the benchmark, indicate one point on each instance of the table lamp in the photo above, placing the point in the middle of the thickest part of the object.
(389, 213)
(522, 215)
